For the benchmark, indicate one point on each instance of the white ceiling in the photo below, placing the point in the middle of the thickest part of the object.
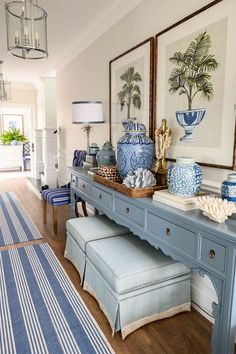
(71, 24)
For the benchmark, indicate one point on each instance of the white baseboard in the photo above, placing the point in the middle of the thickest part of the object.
(35, 190)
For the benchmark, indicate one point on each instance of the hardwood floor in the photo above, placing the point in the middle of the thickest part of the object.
(186, 333)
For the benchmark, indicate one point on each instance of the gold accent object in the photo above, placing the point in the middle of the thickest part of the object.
(163, 136)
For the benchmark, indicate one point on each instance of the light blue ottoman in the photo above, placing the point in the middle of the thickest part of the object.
(80, 231)
(134, 283)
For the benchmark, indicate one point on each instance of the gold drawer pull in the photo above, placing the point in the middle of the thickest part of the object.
(100, 196)
(212, 254)
(168, 231)
(127, 210)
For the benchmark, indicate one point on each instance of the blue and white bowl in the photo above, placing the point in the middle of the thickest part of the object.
(189, 120)
(228, 188)
(184, 177)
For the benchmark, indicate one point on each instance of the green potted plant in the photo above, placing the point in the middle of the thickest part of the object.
(12, 136)
(192, 77)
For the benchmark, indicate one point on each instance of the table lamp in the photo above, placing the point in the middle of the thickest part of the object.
(87, 112)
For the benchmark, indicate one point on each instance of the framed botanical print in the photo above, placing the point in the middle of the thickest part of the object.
(11, 121)
(131, 89)
(196, 85)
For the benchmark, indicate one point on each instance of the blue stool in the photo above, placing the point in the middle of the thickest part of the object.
(134, 283)
(62, 196)
(80, 232)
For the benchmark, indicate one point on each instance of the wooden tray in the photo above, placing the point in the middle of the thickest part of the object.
(130, 192)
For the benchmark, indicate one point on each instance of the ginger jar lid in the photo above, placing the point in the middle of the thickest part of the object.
(232, 177)
(135, 127)
(184, 160)
(107, 146)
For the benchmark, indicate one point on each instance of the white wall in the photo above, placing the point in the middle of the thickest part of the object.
(23, 96)
(46, 103)
(86, 78)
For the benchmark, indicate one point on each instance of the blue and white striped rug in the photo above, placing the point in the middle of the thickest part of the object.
(15, 224)
(40, 310)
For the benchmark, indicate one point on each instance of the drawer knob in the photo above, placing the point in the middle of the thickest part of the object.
(73, 180)
(212, 254)
(127, 210)
(168, 231)
(100, 196)
(83, 185)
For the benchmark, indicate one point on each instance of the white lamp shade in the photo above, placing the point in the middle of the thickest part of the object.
(86, 112)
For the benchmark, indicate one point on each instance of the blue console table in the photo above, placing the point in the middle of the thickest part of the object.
(201, 244)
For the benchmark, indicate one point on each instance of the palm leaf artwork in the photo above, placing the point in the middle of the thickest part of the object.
(191, 76)
(130, 93)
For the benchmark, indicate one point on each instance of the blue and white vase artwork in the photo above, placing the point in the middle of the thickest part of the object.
(228, 188)
(184, 177)
(189, 120)
(134, 149)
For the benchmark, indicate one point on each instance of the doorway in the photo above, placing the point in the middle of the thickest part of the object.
(17, 157)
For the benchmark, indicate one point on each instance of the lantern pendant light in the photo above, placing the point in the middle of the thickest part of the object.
(5, 87)
(26, 25)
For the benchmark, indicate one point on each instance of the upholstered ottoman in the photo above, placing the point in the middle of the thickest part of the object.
(80, 231)
(134, 283)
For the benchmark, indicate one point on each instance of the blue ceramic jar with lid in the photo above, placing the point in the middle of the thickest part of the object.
(228, 188)
(106, 156)
(134, 149)
(184, 177)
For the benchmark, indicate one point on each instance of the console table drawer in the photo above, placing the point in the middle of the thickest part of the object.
(130, 211)
(74, 181)
(213, 253)
(182, 239)
(102, 197)
(85, 187)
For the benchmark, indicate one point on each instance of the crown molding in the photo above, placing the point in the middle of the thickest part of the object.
(95, 29)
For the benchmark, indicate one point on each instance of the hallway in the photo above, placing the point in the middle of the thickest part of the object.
(186, 333)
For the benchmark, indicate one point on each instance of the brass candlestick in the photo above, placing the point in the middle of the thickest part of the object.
(163, 136)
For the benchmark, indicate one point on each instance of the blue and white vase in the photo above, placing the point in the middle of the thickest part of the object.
(228, 188)
(189, 120)
(134, 149)
(184, 177)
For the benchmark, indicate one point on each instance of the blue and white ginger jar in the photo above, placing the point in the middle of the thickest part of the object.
(228, 188)
(184, 177)
(134, 149)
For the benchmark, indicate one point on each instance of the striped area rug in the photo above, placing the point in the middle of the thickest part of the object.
(15, 224)
(40, 310)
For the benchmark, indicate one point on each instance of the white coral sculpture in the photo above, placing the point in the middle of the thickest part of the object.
(216, 209)
(140, 178)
